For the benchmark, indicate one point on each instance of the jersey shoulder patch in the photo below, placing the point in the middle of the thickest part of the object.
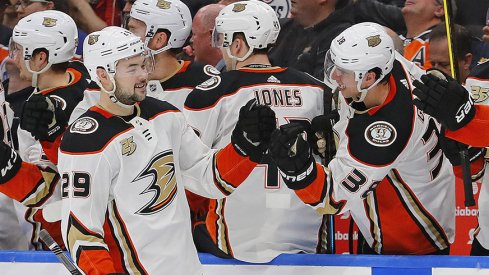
(377, 139)
(191, 75)
(91, 132)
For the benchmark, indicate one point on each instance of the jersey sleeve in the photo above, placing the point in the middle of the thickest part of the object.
(86, 184)
(205, 121)
(211, 173)
(32, 184)
(472, 133)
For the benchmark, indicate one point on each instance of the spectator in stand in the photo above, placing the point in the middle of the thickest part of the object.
(126, 11)
(5, 30)
(439, 54)
(85, 16)
(201, 40)
(415, 21)
(473, 15)
(305, 38)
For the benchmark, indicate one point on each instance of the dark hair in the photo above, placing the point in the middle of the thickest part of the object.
(173, 51)
(378, 72)
(241, 36)
(461, 37)
(57, 68)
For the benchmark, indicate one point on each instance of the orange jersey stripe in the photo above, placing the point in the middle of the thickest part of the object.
(474, 132)
(232, 167)
(23, 183)
(396, 218)
(315, 192)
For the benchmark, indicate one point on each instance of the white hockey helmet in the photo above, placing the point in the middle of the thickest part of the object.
(255, 19)
(358, 49)
(171, 15)
(103, 49)
(52, 30)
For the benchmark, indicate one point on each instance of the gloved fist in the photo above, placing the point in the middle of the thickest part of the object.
(452, 148)
(444, 99)
(292, 155)
(322, 131)
(252, 133)
(43, 117)
(10, 162)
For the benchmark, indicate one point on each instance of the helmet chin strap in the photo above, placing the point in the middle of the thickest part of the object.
(112, 96)
(155, 52)
(36, 74)
(236, 59)
(363, 92)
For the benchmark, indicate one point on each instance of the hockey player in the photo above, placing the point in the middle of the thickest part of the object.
(131, 173)
(164, 26)
(435, 93)
(244, 31)
(389, 171)
(42, 46)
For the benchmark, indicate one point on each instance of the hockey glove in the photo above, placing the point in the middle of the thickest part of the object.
(452, 148)
(446, 100)
(10, 162)
(252, 133)
(322, 132)
(43, 117)
(293, 156)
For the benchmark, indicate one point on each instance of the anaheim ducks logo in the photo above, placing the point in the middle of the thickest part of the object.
(92, 39)
(479, 94)
(381, 134)
(162, 4)
(374, 40)
(163, 184)
(49, 22)
(239, 7)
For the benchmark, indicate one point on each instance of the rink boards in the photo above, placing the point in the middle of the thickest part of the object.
(26, 262)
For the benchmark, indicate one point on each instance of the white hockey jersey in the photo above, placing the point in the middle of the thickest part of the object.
(124, 209)
(478, 84)
(176, 88)
(35, 184)
(391, 174)
(263, 218)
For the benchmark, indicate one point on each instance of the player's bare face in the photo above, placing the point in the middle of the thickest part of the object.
(346, 82)
(420, 6)
(15, 53)
(131, 79)
(137, 27)
(303, 11)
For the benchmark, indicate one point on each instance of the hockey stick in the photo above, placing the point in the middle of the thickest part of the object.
(464, 154)
(54, 247)
(330, 223)
(7, 133)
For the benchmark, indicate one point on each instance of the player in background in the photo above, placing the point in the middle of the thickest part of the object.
(131, 175)
(164, 27)
(464, 113)
(42, 46)
(389, 170)
(263, 218)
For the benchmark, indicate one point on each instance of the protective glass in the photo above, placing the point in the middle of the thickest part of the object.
(144, 65)
(14, 49)
(217, 39)
(333, 71)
